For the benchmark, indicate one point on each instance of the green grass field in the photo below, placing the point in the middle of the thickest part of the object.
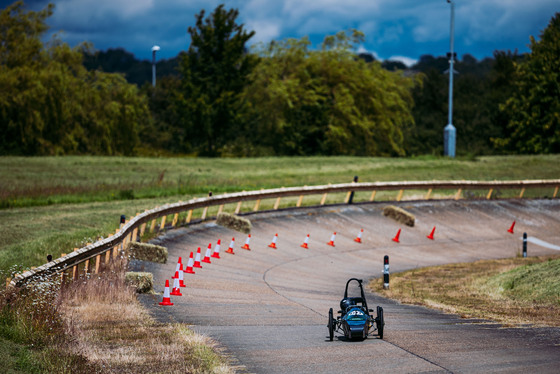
(79, 179)
(49, 205)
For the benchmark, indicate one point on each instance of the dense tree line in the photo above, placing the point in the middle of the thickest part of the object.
(51, 104)
(282, 98)
(326, 101)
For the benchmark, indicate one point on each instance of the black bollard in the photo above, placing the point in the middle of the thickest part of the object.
(524, 245)
(351, 197)
(386, 272)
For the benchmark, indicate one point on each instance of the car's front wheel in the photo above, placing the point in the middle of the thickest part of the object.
(380, 322)
(331, 325)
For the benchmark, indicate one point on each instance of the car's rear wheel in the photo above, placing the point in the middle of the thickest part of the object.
(380, 322)
(331, 325)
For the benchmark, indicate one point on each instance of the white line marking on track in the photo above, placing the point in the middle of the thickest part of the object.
(542, 243)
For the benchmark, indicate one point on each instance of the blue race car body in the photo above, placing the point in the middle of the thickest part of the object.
(356, 323)
(354, 319)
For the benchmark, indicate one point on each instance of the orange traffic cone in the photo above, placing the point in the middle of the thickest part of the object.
(305, 242)
(396, 238)
(331, 243)
(216, 253)
(190, 265)
(197, 259)
(207, 255)
(166, 297)
(274, 239)
(176, 291)
(510, 230)
(359, 237)
(231, 244)
(431, 236)
(246, 245)
(181, 279)
(177, 267)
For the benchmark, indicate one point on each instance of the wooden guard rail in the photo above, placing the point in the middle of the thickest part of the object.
(130, 230)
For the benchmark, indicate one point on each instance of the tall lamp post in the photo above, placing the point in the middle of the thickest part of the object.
(155, 48)
(449, 133)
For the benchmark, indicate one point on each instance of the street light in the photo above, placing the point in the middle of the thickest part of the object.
(449, 133)
(155, 48)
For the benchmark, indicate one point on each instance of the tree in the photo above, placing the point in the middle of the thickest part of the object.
(214, 72)
(479, 89)
(430, 114)
(50, 104)
(327, 101)
(164, 132)
(393, 65)
(500, 84)
(534, 108)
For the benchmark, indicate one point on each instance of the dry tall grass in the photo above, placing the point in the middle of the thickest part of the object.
(464, 289)
(30, 320)
(113, 331)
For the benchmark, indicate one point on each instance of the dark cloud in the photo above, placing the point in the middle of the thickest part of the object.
(392, 27)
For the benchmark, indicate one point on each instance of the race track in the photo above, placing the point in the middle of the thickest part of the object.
(268, 307)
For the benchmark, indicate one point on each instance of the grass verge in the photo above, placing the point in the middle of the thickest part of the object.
(511, 291)
(33, 338)
(113, 331)
(95, 326)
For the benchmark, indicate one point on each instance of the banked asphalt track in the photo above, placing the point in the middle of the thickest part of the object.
(268, 307)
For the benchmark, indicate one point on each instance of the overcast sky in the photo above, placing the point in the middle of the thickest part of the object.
(394, 29)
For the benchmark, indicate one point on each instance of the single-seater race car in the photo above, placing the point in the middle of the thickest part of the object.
(354, 318)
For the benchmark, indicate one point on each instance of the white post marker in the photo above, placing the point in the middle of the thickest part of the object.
(386, 272)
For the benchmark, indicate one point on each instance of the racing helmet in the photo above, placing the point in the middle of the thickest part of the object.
(346, 303)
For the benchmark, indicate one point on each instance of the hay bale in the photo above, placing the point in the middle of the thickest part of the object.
(147, 252)
(142, 282)
(231, 221)
(399, 215)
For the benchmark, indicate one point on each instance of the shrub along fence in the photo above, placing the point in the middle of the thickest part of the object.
(92, 257)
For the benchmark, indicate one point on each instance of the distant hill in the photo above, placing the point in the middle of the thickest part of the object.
(139, 72)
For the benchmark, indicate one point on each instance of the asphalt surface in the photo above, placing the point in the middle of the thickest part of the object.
(268, 307)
